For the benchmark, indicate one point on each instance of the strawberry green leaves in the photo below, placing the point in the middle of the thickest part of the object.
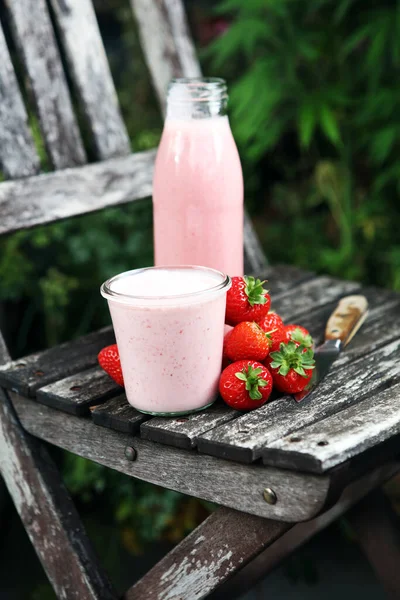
(253, 381)
(290, 356)
(255, 291)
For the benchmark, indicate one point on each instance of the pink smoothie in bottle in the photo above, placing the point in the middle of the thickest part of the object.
(169, 327)
(198, 182)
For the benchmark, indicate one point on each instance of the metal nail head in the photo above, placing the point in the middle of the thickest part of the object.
(130, 453)
(269, 496)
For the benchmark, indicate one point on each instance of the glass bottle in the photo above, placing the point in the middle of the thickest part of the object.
(198, 181)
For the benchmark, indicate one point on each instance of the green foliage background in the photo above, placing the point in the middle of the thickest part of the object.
(314, 95)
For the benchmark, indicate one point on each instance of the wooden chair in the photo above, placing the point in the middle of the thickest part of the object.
(277, 488)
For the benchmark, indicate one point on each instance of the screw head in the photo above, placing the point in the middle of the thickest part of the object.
(130, 453)
(269, 496)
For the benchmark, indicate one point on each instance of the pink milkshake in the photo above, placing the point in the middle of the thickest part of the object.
(169, 327)
(198, 182)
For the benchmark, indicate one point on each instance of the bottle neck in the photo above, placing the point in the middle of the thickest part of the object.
(197, 98)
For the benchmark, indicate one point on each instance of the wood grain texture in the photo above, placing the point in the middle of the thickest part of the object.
(312, 295)
(75, 394)
(35, 41)
(71, 192)
(282, 278)
(182, 432)
(48, 513)
(249, 436)
(222, 545)
(302, 532)
(119, 415)
(80, 37)
(254, 258)
(341, 436)
(18, 156)
(236, 486)
(27, 375)
(383, 317)
(166, 42)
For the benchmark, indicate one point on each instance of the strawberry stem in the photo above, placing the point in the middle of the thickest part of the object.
(290, 356)
(254, 291)
(253, 381)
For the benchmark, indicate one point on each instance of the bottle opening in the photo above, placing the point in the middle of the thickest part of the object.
(197, 97)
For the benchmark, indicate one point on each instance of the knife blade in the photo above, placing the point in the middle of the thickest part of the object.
(341, 327)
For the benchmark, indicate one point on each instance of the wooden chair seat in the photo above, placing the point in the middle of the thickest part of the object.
(352, 413)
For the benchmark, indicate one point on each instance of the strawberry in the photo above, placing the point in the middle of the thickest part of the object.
(299, 335)
(109, 361)
(273, 326)
(245, 384)
(247, 300)
(246, 341)
(291, 367)
(225, 359)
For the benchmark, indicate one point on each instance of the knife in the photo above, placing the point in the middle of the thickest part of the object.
(341, 327)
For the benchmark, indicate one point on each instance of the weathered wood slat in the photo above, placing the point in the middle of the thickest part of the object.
(281, 278)
(119, 415)
(182, 432)
(48, 514)
(50, 197)
(18, 156)
(75, 394)
(35, 41)
(166, 43)
(383, 314)
(247, 437)
(302, 532)
(27, 375)
(46, 510)
(341, 436)
(222, 545)
(91, 75)
(311, 295)
(234, 485)
(254, 258)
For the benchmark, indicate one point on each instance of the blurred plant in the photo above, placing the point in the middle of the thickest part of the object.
(314, 97)
(143, 512)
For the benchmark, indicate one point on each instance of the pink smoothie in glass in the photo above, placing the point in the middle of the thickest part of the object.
(169, 327)
(198, 189)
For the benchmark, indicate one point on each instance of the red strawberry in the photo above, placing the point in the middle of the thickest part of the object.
(246, 341)
(109, 361)
(291, 367)
(273, 326)
(225, 359)
(299, 335)
(245, 384)
(247, 300)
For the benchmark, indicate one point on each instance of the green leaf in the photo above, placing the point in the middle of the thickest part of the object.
(329, 125)
(382, 144)
(306, 123)
(241, 376)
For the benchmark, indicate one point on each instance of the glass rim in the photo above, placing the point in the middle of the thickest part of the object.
(109, 294)
(206, 80)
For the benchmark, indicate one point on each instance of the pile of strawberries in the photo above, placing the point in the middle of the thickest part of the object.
(260, 352)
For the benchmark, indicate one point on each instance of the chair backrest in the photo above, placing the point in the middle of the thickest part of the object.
(75, 187)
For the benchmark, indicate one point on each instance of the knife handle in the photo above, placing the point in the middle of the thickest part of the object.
(346, 319)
